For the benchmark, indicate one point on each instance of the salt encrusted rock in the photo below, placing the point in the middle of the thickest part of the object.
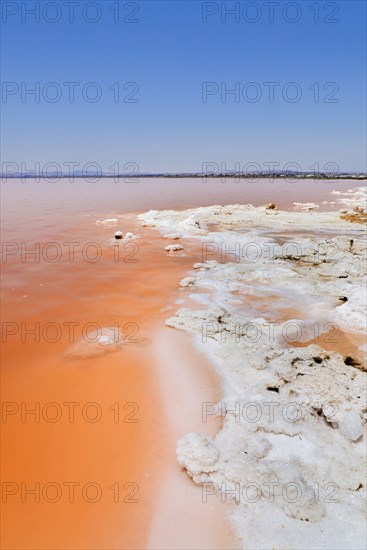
(351, 426)
(271, 206)
(197, 454)
(173, 247)
(118, 235)
(187, 281)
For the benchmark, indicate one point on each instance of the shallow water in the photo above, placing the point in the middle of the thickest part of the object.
(39, 204)
(97, 439)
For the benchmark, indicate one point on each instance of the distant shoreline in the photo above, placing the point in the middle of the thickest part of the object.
(288, 175)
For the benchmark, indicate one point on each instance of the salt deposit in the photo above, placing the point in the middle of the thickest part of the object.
(103, 340)
(130, 236)
(172, 236)
(291, 451)
(187, 281)
(173, 247)
(108, 221)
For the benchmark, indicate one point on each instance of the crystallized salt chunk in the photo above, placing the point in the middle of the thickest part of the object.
(197, 453)
(187, 281)
(173, 247)
(351, 426)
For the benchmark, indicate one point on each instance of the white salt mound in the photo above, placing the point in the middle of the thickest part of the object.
(197, 454)
(187, 281)
(173, 247)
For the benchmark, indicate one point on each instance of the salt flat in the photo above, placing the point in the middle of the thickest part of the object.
(280, 313)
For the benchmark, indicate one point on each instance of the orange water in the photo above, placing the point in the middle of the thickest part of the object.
(119, 429)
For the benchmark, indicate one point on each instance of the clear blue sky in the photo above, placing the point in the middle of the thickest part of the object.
(169, 52)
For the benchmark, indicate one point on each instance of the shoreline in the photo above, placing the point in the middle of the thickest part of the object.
(230, 175)
(186, 380)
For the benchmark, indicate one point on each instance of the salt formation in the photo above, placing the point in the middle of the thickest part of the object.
(187, 281)
(172, 236)
(97, 342)
(173, 247)
(305, 206)
(128, 236)
(291, 451)
(353, 197)
(108, 221)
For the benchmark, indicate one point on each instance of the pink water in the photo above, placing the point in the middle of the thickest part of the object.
(118, 454)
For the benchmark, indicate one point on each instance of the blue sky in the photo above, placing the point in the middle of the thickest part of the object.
(169, 54)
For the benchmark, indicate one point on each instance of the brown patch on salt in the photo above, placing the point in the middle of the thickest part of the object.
(355, 217)
(267, 307)
(271, 206)
(346, 343)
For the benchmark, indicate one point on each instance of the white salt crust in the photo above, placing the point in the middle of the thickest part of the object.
(294, 418)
